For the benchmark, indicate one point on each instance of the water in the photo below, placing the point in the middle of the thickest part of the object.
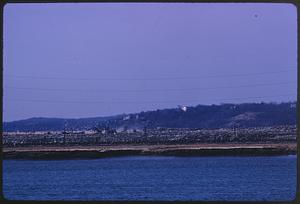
(152, 178)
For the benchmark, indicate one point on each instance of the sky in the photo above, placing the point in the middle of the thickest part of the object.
(77, 60)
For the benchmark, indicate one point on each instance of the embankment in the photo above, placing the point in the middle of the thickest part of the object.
(164, 150)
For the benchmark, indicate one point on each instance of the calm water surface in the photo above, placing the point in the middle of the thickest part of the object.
(152, 178)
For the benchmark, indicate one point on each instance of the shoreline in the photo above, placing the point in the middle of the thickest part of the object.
(95, 152)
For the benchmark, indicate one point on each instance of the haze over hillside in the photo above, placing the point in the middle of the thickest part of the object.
(201, 116)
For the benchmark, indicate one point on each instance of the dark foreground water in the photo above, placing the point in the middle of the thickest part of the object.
(152, 178)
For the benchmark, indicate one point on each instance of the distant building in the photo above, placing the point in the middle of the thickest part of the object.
(183, 108)
(126, 117)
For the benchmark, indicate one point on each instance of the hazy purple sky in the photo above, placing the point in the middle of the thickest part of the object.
(98, 59)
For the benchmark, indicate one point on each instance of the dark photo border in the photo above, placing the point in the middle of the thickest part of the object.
(295, 3)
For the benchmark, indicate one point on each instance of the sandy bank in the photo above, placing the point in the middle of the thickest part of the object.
(92, 152)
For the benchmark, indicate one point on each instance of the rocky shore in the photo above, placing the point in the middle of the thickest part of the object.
(93, 152)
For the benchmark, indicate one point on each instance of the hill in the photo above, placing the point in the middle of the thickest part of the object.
(201, 116)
